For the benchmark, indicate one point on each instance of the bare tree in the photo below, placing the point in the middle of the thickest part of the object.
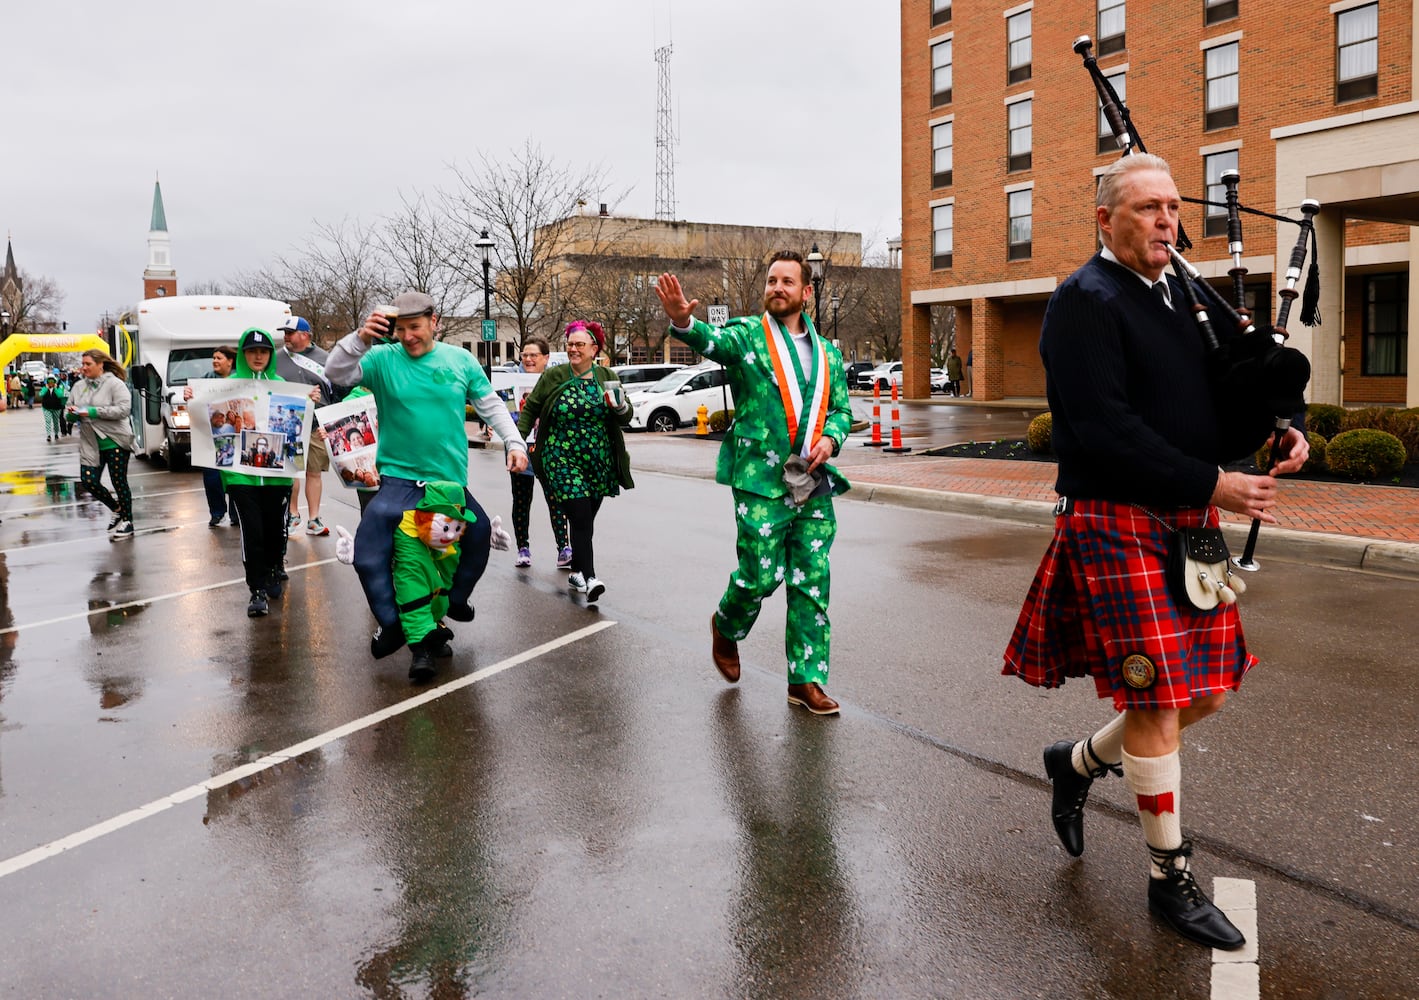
(416, 246)
(36, 304)
(210, 286)
(528, 204)
(342, 266)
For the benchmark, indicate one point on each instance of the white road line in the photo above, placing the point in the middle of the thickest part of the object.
(143, 602)
(45, 851)
(1236, 975)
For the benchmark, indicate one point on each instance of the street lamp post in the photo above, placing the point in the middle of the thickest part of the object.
(815, 267)
(484, 243)
(835, 301)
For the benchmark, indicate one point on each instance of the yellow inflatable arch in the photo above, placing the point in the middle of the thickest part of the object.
(37, 343)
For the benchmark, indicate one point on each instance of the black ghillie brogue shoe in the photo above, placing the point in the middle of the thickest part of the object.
(1178, 899)
(1071, 791)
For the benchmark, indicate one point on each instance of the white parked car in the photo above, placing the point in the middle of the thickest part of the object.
(883, 376)
(673, 401)
(644, 374)
(939, 381)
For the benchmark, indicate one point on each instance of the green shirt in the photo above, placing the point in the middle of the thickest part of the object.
(421, 410)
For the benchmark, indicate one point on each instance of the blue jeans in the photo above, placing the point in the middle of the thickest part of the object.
(374, 548)
(216, 495)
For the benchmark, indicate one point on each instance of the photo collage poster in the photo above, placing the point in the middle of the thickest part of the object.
(257, 427)
(351, 429)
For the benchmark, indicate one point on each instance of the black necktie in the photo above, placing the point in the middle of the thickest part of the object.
(1160, 289)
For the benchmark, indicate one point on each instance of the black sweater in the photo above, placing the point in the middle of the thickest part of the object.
(1127, 383)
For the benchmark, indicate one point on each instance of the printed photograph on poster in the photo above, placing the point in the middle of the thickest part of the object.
(286, 415)
(352, 436)
(263, 449)
(249, 426)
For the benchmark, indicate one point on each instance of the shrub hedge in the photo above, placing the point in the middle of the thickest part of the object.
(720, 420)
(1401, 423)
(1325, 419)
(1365, 453)
(1037, 436)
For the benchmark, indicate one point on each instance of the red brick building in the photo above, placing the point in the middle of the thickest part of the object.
(1002, 142)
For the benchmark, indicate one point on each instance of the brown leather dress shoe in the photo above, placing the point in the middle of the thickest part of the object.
(813, 698)
(725, 653)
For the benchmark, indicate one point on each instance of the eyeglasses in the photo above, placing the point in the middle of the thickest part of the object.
(579, 345)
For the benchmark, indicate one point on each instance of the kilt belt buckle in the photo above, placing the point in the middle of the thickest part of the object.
(1063, 506)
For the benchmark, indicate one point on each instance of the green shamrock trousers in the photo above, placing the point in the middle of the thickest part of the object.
(780, 543)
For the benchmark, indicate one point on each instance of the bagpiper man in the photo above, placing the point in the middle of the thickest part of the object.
(791, 414)
(1138, 445)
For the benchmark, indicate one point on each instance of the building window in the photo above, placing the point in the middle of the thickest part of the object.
(1386, 335)
(941, 73)
(1019, 207)
(1017, 33)
(1019, 135)
(1222, 85)
(1357, 56)
(1214, 222)
(941, 154)
(1111, 25)
(1214, 11)
(940, 12)
(1107, 142)
(943, 223)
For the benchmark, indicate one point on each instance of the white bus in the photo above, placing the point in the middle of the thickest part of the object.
(173, 343)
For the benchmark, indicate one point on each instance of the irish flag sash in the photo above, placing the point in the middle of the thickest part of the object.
(794, 389)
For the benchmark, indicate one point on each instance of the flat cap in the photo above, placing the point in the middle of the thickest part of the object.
(413, 303)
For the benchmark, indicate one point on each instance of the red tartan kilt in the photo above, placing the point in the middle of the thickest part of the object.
(1100, 596)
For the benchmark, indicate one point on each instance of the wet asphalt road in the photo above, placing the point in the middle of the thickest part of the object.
(607, 818)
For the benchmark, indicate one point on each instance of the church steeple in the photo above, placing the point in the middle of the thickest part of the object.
(159, 277)
(11, 284)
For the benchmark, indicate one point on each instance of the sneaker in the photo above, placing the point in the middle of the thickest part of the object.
(315, 527)
(214, 521)
(292, 521)
(257, 607)
(114, 522)
(564, 558)
(122, 532)
(594, 589)
(524, 557)
(576, 583)
(422, 668)
(274, 587)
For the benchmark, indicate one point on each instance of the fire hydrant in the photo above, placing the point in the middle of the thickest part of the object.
(702, 420)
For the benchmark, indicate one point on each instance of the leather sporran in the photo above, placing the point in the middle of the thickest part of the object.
(1198, 572)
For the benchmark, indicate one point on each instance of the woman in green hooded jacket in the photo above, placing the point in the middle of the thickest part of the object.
(260, 500)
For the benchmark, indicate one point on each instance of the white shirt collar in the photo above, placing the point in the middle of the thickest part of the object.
(1108, 255)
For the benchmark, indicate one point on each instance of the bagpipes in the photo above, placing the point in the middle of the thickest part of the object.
(1258, 383)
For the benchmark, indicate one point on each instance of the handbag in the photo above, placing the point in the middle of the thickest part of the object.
(1198, 570)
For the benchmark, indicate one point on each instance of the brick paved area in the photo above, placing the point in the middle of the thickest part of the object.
(1380, 512)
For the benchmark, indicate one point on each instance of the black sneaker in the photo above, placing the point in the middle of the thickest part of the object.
(421, 669)
(123, 532)
(257, 607)
(386, 641)
(281, 573)
(274, 587)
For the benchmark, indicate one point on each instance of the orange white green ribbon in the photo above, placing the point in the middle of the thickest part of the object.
(792, 387)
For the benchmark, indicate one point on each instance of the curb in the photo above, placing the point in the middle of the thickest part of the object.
(1383, 558)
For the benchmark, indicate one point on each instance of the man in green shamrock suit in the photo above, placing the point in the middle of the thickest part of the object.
(791, 414)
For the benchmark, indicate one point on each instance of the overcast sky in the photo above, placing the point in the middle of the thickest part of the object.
(263, 118)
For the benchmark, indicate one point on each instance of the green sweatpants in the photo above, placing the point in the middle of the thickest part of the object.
(777, 543)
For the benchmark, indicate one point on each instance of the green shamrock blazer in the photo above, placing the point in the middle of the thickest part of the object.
(756, 445)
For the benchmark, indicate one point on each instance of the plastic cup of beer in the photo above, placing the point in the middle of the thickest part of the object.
(614, 395)
(390, 314)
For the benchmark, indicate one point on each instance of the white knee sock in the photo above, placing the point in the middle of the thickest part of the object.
(1104, 747)
(1156, 782)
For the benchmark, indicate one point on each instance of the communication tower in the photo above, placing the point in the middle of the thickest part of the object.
(664, 140)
